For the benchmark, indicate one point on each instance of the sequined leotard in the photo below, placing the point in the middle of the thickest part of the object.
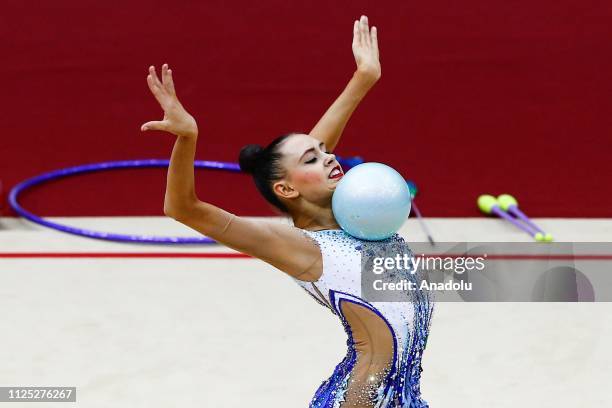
(382, 367)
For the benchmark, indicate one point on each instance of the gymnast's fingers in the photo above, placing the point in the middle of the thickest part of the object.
(155, 125)
(356, 34)
(154, 76)
(164, 74)
(375, 40)
(168, 81)
(155, 90)
(365, 32)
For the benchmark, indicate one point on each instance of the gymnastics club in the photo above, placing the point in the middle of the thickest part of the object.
(509, 204)
(413, 192)
(489, 205)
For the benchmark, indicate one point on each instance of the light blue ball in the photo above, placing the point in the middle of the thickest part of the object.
(371, 201)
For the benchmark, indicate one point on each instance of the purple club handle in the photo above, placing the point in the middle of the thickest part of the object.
(500, 213)
(514, 210)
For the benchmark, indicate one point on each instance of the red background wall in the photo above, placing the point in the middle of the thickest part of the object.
(476, 96)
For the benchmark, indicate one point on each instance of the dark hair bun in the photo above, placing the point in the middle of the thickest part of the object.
(249, 157)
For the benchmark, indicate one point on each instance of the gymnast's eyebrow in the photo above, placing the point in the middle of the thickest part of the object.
(311, 149)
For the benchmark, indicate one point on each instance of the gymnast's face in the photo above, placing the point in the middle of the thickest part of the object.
(311, 173)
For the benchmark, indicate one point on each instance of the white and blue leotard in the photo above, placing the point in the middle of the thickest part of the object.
(382, 367)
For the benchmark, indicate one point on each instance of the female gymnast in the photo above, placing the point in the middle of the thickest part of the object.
(297, 173)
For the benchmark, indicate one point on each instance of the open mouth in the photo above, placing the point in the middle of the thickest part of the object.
(336, 173)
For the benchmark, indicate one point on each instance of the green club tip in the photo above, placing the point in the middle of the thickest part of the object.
(505, 201)
(486, 203)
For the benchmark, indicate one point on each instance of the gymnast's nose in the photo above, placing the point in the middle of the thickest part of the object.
(329, 159)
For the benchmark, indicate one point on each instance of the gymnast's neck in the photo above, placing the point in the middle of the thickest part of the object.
(312, 217)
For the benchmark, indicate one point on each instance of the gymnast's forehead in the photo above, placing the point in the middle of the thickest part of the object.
(295, 145)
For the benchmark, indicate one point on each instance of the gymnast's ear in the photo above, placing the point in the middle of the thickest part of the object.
(285, 190)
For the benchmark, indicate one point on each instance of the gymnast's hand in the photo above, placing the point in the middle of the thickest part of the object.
(365, 48)
(176, 119)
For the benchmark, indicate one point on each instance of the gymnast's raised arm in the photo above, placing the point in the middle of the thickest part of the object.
(282, 246)
(365, 49)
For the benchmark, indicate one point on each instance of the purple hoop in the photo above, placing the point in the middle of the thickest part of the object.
(148, 239)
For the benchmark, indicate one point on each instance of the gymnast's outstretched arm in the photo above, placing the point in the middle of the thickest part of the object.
(365, 49)
(282, 246)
